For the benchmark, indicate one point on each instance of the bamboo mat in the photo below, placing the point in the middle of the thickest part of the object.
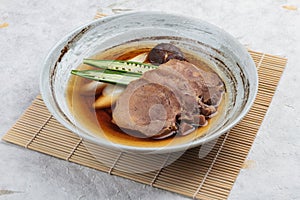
(211, 177)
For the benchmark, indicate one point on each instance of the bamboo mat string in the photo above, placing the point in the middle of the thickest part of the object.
(211, 166)
(38, 131)
(115, 162)
(260, 61)
(74, 149)
(160, 169)
(99, 15)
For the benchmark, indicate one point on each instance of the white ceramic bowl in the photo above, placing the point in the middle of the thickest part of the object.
(229, 58)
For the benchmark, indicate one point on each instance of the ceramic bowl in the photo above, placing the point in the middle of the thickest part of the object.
(228, 57)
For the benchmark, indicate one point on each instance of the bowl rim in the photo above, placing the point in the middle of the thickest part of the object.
(152, 150)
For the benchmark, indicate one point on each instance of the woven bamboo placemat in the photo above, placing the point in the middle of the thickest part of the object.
(211, 177)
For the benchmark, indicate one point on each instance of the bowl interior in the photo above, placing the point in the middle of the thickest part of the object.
(227, 57)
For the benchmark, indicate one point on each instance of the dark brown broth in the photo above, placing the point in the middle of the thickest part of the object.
(99, 121)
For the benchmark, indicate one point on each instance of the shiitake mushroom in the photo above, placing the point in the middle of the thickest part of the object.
(163, 52)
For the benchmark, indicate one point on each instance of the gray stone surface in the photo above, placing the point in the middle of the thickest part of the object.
(34, 26)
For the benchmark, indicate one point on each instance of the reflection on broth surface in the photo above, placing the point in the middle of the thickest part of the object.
(83, 99)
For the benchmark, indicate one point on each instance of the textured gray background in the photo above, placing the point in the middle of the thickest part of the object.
(36, 25)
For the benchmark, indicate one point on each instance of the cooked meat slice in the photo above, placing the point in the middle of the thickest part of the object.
(185, 128)
(207, 110)
(205, 84)
(146, 107)
(176, 83)
(212, 96)
(201, 120)
(189, 72)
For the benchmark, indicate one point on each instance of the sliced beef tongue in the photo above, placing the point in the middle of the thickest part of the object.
(183, 91)
(176, 83)
(206, 85)
(175, 98)
(189, 72)
(150, 104)
(146, 107)
(212, 94)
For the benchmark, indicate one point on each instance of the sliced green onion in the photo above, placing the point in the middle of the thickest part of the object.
(120, 65)
(107, 76)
